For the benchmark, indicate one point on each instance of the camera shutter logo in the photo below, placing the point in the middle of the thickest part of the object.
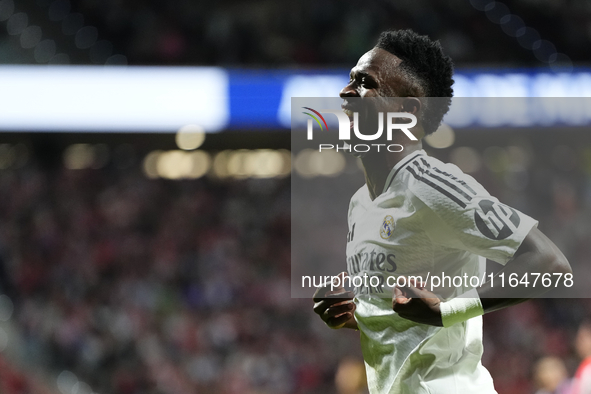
(496, 221)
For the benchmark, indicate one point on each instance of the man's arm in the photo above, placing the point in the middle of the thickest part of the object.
(537, 254)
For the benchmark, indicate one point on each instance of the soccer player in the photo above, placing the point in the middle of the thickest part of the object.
(416, 214)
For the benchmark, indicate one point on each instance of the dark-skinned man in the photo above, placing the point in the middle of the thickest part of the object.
(418, 215)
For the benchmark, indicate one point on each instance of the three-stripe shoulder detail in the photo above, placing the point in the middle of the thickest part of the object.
(400, 168)
(445, 183)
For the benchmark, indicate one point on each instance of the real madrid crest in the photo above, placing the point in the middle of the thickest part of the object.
(387, 227)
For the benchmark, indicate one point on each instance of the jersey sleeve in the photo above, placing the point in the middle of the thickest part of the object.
(461, 214)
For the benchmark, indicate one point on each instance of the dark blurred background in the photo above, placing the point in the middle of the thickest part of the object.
(160, 262)
(301, 33)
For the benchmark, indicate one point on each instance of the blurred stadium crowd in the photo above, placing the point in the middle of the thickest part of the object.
(133, 285)
(123, 284)
(270, 34)
(328, 32)
(140, 286)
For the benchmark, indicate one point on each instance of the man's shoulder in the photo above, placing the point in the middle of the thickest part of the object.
(360, 198)
(424, 167)
(432, 180)
(360, 194)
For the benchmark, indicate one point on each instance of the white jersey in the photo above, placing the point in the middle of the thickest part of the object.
(431, 218)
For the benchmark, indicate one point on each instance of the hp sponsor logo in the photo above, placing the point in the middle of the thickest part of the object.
(496, 221)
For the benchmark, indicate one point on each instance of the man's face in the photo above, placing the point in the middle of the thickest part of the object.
(376, 85)
(375, 75)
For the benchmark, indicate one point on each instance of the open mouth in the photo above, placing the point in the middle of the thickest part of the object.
(350, 115)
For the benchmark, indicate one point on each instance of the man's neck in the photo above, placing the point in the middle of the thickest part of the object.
(377, 167)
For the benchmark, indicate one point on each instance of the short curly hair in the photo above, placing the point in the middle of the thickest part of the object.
(424, 61)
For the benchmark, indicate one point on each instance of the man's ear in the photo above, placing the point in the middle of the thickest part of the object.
(411, 105)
